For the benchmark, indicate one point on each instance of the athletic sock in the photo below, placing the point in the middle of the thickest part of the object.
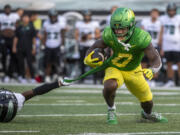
(112, 108)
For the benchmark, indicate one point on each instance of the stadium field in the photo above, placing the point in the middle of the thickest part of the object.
(82, 110)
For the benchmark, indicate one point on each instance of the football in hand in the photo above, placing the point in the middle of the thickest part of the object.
(98, 53)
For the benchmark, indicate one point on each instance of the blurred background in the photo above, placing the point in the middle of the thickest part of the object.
(41, 41)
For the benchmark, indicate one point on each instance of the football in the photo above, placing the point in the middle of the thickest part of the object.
(98, 53)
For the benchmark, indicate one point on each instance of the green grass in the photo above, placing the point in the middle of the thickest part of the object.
(63, 102)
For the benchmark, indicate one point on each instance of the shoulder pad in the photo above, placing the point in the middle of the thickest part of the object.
(142, 38)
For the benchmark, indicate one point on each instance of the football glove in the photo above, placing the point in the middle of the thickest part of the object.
(148, 73)
(63, 83)
(91, 62)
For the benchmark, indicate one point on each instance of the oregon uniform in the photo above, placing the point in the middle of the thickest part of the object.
(129, 44)
(125, 62)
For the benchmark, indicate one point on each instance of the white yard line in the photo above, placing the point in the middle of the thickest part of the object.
(70, 101)
(82, 86)
(21, 131)
(84, 91)
(85, 115)
(138, 133)
(96, 104)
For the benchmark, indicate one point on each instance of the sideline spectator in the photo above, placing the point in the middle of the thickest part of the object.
(170, 42)
(24, 46)
(53, 39)
(153, 26)
(87, 31)
(8, 22)
(20, 12)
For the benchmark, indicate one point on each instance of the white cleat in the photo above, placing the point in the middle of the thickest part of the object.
(22, 80)
(47, 79)
(170, 83)
(6, 79)
(33, 81)
(152, 84)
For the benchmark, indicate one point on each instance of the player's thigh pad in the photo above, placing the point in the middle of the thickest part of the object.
(113, 73)
(137, 85)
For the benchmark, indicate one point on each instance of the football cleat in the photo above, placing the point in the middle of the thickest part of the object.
(111, 117)
(154, 117)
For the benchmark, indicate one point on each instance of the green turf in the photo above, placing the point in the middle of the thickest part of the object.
(62, 102)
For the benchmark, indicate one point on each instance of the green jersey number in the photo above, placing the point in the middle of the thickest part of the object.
(122, 60)
(153, 34)
(169, 29)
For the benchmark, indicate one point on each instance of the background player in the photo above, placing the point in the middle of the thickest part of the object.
(8, 21)
(11, 102)
(129, 44)
(153, 26)
(170, 42)
(87, 31)
(53, 37)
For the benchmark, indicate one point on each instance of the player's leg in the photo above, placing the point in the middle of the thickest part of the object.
(170, 72)
(112, 80)
(56, 62)
(138, 86)
(48, 53)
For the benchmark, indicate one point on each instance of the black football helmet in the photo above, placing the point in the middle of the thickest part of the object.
(171, 6)
(8, 105)
(53, 15)
(87, 15)
(171, 9)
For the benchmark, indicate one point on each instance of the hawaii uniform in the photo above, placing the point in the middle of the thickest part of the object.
(124, 65)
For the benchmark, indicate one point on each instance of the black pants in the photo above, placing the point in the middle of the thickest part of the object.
(23, 55)
(7, 49)
(52, 56)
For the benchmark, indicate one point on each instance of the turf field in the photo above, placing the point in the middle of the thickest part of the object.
(82, 110)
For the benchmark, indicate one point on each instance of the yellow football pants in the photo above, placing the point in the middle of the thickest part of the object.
(134, 81)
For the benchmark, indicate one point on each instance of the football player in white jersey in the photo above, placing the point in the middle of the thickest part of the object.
(170, 41)
(87, 31)
(153, 26)
(53, 39)
(8, 22)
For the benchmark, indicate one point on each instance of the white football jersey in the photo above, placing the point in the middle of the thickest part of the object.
(87, 28)
(108, 19)
(8, 21)
(53, 31)
(171, 34)
(153, 28)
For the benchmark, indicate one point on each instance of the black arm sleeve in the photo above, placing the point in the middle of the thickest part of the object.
(45, 88)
